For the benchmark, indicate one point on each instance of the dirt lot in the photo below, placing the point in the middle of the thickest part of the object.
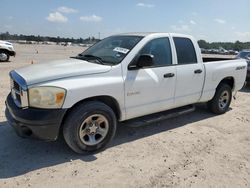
(194, 150)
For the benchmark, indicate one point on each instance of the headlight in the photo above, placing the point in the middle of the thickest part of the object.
(46, 97)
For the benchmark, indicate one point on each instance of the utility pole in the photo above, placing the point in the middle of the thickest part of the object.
(99, 35)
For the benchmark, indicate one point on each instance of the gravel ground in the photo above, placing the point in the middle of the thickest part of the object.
(195, 150)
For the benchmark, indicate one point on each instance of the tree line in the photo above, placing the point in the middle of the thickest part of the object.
(202, 43)
(226, 45)
(38, 38)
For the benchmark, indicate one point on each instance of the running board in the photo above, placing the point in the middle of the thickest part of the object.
(145, 120)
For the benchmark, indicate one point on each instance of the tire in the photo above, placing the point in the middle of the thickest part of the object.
(222, 99)
(4, 56)
(89, 127)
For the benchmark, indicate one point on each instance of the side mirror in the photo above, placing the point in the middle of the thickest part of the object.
(144, 60)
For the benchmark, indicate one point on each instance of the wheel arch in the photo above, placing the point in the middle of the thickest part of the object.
(227, 80)
(108, 100)
(5, 50)
(214, 103)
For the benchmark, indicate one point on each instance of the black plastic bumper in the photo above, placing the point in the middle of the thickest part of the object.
(12, 53)
(31, 122)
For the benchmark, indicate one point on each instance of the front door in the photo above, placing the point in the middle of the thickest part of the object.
(151, 89)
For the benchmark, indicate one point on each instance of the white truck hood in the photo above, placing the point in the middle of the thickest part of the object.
(5, 42)
(43, 72)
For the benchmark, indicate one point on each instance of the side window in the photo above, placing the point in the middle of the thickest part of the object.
(185, 51)
(160, 49)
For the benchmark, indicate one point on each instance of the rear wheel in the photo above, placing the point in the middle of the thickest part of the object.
(4, 56)
(221, 100)
(89, 127)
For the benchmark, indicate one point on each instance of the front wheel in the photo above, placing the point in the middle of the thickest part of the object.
(89, 127)
(221, 100)
(4, 56)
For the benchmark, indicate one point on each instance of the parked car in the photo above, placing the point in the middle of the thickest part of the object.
(129, 78)
(233, 52)
(245, 54)
(204, 51)
(6, 50)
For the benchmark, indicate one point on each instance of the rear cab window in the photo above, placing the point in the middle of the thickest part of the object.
(185, 51)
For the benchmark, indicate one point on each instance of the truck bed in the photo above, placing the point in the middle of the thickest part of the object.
(216, 58)
(218, 70)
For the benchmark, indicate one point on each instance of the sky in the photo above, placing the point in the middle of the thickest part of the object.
(211, 20)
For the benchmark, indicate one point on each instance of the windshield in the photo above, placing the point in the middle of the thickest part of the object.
(244, 55)
(111, 50)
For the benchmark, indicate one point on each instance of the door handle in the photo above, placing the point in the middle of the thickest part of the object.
(168, 75)
(198, 71)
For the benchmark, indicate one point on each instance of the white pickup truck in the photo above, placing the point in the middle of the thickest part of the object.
(6, 50)
(123, 78)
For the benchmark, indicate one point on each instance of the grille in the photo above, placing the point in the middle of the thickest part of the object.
(18, 90)
(16, 85)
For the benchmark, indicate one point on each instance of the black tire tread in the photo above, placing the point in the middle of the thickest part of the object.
(213, 103)
(8, 56)
(73, 119)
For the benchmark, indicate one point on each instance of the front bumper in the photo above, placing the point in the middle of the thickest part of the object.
(31, 122)
(12, 53)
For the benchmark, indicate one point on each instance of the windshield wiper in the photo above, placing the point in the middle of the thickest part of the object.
(91, 57)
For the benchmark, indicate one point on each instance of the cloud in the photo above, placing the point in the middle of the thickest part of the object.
(8, 26)
(57, 17)
(242, 34)
(92, 18)
(220, 21)
(10, 17)
(66, 10)
(145, 5)
(192, 22)
(201, 37)
(181, 28)
(194, 13)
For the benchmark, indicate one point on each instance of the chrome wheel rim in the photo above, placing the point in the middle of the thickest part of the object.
(93, 129)
(3, 57)
(224, 99)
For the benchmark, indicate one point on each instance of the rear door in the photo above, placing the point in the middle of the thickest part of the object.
(190, 73)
